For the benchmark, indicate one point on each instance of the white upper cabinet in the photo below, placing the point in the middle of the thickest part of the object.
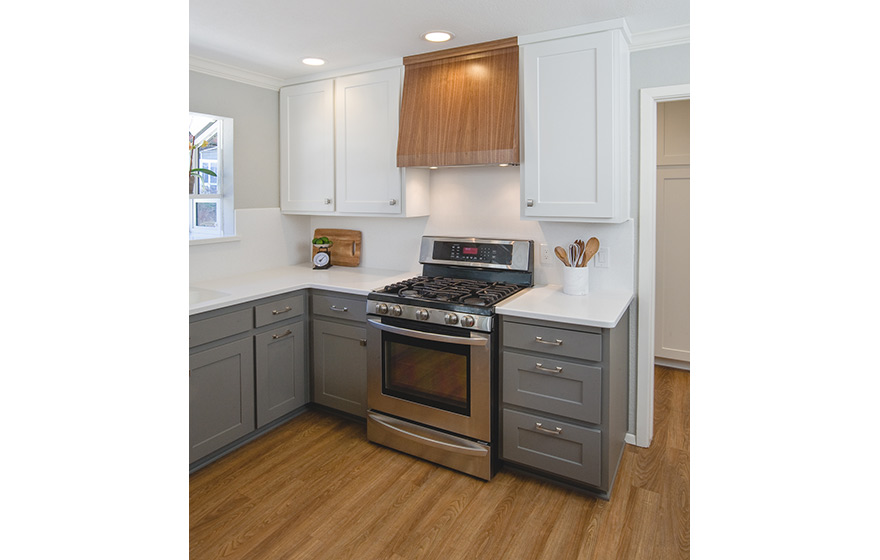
(307, 179)
(339, 149)
(575, 103)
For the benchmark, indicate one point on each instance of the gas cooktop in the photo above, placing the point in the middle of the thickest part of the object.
(440, 289)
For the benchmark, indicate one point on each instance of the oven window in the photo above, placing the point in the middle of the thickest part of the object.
(431, 373)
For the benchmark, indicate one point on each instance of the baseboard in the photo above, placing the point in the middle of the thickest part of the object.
(677, 364)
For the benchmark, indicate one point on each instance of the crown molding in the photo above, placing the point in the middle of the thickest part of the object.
(658, 38)
(220, 70)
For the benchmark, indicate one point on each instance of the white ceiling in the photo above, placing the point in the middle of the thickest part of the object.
(270, 37)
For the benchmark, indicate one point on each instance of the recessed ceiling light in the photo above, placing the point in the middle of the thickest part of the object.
(437, 36)
(313, 61)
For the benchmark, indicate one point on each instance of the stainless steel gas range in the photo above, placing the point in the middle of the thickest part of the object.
(432, 351)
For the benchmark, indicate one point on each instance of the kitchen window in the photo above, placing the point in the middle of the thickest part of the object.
(210, 177)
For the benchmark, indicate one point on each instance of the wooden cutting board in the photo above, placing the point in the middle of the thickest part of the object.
(346, 249)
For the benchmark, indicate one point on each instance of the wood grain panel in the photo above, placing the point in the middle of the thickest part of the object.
(316, 489)
(346, 248)
(460, 109)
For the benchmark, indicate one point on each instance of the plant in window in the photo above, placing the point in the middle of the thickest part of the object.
(194, 171)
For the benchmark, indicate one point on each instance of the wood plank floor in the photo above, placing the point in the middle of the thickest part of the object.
(315, 489)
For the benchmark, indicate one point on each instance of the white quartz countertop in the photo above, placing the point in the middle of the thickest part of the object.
(223, 292)
(549, 303)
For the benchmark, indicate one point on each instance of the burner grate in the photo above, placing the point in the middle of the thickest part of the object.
(454, 290)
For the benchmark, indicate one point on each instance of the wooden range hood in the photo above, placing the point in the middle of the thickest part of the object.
(461, 106)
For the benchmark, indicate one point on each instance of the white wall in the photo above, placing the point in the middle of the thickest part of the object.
(266, 240)
(484, 202)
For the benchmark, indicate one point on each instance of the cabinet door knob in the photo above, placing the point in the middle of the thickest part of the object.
(392, 202)
(363, 342)
(530, 202)
(328, 200)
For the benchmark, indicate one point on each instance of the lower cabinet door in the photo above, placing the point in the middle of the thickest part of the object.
(281, 371)
(340, 360)
(556, 447)
(221, 396)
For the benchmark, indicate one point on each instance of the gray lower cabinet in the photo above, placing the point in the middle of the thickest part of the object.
(247, 368)
(564, 399)
(221, 396)
(280, 371)
(339, 353)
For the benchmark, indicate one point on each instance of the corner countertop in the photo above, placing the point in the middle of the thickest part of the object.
(223, 292)
(549, 303)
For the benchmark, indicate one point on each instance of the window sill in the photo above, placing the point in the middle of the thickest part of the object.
(212, 240)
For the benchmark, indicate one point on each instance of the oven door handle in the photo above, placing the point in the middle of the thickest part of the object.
(430, 438)
(473, 341)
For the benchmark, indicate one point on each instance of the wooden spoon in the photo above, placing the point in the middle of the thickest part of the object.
(560, 253)
(591, 250)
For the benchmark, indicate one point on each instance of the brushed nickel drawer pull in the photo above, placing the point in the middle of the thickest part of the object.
(334, 308)
(540, 367)
(542, 341)
(285, 310)
(555, 432)
(277, 336)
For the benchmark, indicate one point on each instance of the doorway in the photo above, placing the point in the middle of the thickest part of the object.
(649, 99)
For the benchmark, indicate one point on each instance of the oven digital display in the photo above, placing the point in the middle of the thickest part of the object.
(473, 252)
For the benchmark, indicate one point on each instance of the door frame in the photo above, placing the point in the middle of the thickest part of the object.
(649, 98)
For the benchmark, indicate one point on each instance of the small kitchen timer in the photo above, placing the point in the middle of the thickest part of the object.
(321, 258)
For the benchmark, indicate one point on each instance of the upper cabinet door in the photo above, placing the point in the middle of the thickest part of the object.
(307, 180)
(367, 112)
(576, 128)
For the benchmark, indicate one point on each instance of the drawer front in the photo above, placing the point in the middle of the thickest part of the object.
(549, 340)
(564, 449)
(215, 328)
(340, 307)
(556, 386)
(279, 310)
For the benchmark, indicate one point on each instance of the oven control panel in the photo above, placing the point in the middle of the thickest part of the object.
(515, 255)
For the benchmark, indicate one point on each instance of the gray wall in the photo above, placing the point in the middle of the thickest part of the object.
(667, 66)
(255, 113)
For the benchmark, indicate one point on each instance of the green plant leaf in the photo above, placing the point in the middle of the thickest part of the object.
(200, 170)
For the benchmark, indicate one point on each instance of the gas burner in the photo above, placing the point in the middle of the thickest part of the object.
(453, 290)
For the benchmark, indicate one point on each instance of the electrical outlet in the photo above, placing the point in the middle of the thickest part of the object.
(546, 254)
(601, 260)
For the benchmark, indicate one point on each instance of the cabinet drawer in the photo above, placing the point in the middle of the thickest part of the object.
(556, 447)
(563, 388)
(279, 310)
(221, 326)
(340, 307)
(549, 340)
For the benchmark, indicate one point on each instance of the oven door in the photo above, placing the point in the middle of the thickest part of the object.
(436, 376)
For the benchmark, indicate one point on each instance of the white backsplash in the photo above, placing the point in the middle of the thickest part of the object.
(465, 201)
(484, 202)
(268, 240)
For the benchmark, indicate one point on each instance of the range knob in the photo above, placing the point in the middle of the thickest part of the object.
(381, 308)
(467, 321)
(396, 310)
(451, 319)
(422, 314)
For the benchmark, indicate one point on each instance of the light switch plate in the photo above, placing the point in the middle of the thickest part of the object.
(601, 258)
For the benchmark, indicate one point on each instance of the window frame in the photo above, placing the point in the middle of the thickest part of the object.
(223, 126)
